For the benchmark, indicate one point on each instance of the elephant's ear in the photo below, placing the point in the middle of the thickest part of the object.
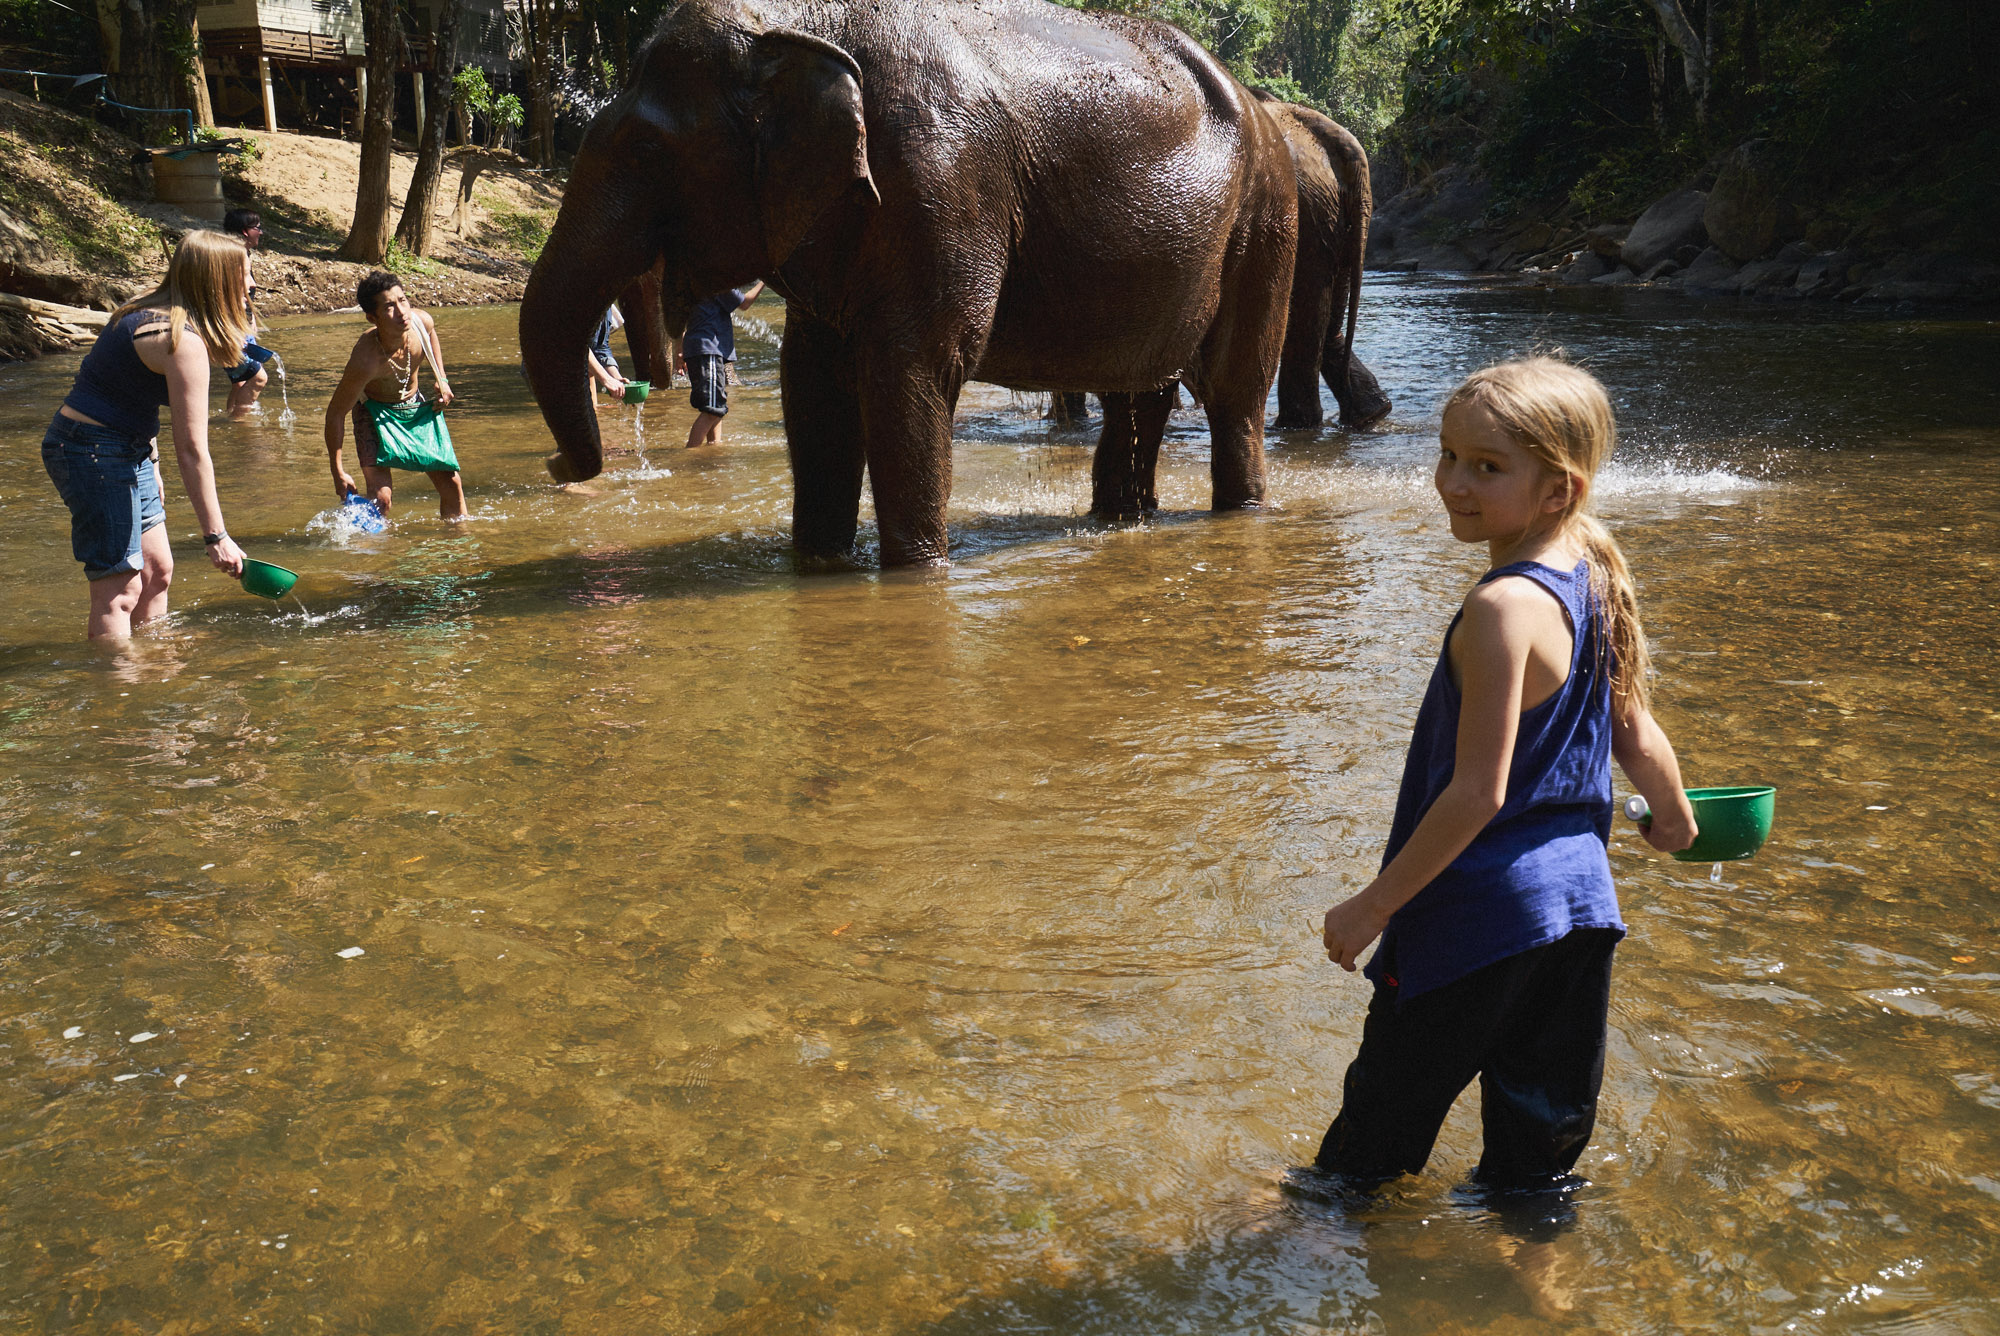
(812, 143)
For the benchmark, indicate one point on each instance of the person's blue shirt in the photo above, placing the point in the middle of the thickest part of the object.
(1539, 869)
(710, 330)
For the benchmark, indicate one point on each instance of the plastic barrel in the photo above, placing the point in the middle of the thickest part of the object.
(191, 181)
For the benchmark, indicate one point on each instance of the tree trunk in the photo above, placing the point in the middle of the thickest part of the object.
(149, 47)
(414, 232)
(1656, 82)
(197, 82)
(368, 240)
(544, 18)
(1694, 51)
(470, 165)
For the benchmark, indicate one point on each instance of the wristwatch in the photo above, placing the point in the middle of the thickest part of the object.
(211, 540)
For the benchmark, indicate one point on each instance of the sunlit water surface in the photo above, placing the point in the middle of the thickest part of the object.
(753, 951)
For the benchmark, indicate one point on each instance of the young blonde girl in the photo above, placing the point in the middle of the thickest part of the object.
(102, 448)
(1494, 905)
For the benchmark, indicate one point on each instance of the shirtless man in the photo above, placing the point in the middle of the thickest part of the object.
(384, 366)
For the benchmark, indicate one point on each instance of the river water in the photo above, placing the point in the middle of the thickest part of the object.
(748, 951)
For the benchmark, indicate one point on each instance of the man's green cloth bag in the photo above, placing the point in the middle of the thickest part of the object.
(412, 435)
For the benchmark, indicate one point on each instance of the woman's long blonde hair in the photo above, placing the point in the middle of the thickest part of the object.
(1559, 412)
(204, 287)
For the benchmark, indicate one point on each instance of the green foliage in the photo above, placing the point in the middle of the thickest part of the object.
(506, 112)
(1882, 108)
(470, 90)
(399, 261)
(523, 233)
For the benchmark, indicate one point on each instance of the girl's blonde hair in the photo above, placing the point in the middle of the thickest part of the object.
(204, 287)
(1559, 412)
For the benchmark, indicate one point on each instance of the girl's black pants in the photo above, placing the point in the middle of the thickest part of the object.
(1530, 1027)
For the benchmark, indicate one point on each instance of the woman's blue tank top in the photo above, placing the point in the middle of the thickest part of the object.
(115, 387)
(1539, 869)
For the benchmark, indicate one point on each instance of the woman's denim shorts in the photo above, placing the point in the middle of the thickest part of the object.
(112, 488)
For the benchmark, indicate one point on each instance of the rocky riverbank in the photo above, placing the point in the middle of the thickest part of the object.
(1734, 231)
(80, 233)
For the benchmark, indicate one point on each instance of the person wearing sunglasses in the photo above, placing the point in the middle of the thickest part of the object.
(248, 377)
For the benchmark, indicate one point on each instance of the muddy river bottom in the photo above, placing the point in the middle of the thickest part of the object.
(581, 921)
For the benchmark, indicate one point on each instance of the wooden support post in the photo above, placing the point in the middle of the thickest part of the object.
(360, 99)
(417, 94)
(270, 96)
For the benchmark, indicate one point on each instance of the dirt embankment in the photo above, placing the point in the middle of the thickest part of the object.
(79, 226)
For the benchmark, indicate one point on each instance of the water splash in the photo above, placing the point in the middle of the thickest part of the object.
(356, 517)
(1715, 872)
(759, 330)
(287, 417)
(646, 472)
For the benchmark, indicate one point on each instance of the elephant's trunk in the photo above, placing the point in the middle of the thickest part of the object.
(588, 260)
(646, 327)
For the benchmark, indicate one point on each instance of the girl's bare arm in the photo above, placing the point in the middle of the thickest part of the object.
(187, 407)
(1640, 747)
(1492, 644)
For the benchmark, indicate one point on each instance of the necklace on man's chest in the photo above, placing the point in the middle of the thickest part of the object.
(404, 363)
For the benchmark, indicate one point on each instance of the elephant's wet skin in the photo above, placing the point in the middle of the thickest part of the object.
(1331, 170)
(1009, 191)
(1334, 208)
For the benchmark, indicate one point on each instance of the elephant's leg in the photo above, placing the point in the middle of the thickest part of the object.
(906, 411)
(823, 436)
(1124, 472)
(1299, 364)
(1069, 406)
(1239, 353)
(1235, 380)
(1362, 399)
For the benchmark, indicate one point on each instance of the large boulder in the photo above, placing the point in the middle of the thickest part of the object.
(1587, 268)
(1434, 211)
(1712, 272)
(1749, 212)
(1768, 278)
(1937, 278)
(1667, 225)
(1607, 239)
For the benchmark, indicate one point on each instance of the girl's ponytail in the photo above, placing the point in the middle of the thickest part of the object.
(1618, 607)
(1560, 412)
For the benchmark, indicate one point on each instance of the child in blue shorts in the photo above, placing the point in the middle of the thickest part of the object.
(707, 349)
(1494, 905)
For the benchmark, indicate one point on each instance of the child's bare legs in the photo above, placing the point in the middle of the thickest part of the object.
(451, 495)
(132, 598)
(243, 394)
(707, 430)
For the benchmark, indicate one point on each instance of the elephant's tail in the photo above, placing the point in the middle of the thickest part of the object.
(1350, 164)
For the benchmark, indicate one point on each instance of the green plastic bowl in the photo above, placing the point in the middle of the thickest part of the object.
(267, 581)
(637, 390)
(1734, 822)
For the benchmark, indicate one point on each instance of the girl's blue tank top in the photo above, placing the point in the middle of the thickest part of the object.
(115, 387)
(1539, 869)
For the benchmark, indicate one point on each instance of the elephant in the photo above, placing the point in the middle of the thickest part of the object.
(1334, 204)
(646, 328)
(1334, 207)
(1006, 190)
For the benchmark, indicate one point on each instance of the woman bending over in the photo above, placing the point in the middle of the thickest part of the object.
(102, 448)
